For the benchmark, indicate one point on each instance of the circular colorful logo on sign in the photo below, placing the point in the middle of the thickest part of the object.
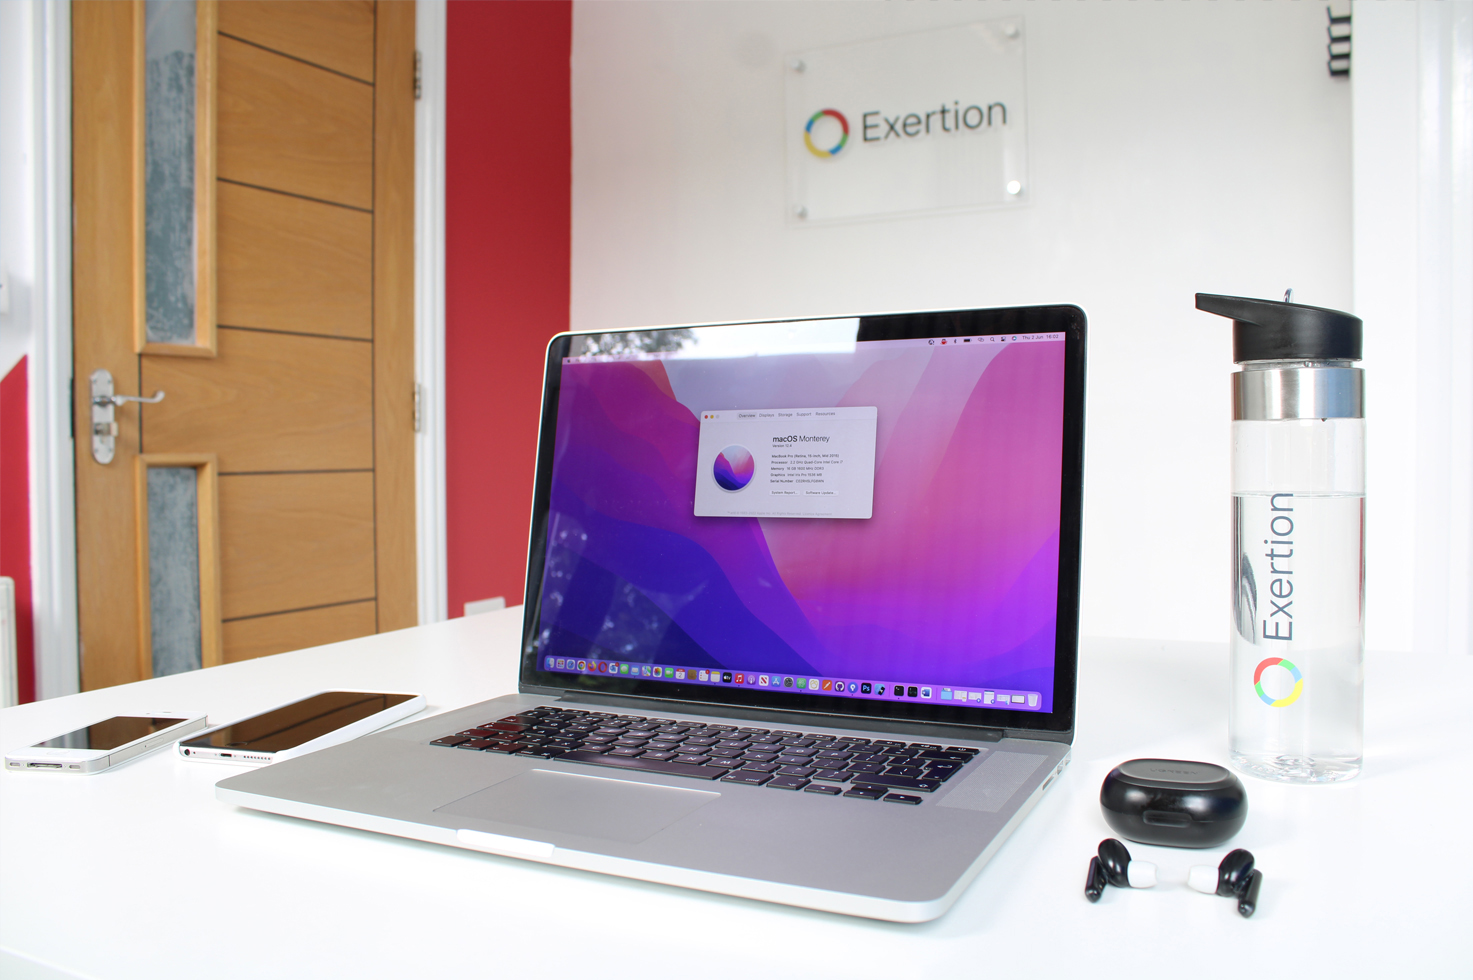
(818, 151)
(1293, 672)
(734, 468)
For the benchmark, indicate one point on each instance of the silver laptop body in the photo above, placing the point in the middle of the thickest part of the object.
(797, 591)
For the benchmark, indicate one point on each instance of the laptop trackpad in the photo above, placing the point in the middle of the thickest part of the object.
(589, 806)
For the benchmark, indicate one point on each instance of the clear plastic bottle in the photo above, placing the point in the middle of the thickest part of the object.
(1298, 561)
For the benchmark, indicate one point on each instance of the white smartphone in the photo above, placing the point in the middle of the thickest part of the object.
(106, 744)
(294, 729)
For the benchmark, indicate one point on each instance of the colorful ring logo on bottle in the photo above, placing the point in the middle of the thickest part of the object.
(1293, 672)
(832, 151)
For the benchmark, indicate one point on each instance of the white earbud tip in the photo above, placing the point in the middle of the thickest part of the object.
(1141, 874)
(1203, 878)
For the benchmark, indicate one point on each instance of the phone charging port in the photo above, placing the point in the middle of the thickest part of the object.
(43, 765)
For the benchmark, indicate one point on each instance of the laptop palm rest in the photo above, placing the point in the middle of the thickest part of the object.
(588, 806)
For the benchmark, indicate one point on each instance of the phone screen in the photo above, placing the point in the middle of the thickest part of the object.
(301, 721)
(110, 734)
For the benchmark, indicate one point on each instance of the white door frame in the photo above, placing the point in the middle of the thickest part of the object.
(429, 310)
(53, 508)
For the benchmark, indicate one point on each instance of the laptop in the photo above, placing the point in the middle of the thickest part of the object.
(792, 586)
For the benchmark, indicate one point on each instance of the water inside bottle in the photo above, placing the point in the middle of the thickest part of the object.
(1297, 637)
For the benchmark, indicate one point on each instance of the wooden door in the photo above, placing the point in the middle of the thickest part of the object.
(286, 428)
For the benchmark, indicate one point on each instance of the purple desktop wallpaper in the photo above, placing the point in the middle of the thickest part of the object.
(953, 580)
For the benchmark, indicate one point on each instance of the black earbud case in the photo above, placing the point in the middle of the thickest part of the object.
(1171, 802)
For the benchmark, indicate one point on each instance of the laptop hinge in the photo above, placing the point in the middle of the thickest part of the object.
(857, 723)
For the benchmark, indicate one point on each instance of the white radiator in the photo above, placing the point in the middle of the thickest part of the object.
(9, 686)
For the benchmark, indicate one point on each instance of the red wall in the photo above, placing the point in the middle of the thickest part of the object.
(15, 518)
(508, 230)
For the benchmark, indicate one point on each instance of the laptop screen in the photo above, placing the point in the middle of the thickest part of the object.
(867, 516)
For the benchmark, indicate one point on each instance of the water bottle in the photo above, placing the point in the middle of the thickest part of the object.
(1298, 562)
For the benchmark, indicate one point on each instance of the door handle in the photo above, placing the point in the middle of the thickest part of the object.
(119, 400)
(104, 404)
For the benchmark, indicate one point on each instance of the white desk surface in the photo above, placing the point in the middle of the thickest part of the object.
(140, 872)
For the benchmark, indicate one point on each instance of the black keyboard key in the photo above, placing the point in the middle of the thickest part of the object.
(922, 746)
(795, 770)
(541, 753)
(798, 750)
(747, 777)
(901, 798)
(900, 782)
(887, 742)
(727, 763)
(475, 743)
(787, 782)
(866, 793)
(868, 767)
(506, 747)
(630, 743)
(910, 771)
(759, 756)
(627, 753)
(832, 775)
(450, 740)
(836, 754)
(867, 757)
(720, 753)
(759, 766)
(645, 765)
(944, 756)
(734, 743)
(600, 739)
(963, 749)
(690, 760)
(701, 741)
(823, 789)
(662, 756)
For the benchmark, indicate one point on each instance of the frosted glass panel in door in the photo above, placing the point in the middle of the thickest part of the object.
(173, 568)
(169, 124)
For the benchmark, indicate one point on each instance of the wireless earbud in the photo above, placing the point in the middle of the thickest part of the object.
(1235, 877)
(1113, 866)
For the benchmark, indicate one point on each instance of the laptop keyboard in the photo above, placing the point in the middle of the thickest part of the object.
(830, 765)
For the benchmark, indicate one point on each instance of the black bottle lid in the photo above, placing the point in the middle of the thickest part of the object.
(1268, 330)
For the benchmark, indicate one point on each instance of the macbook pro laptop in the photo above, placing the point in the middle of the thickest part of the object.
(792, 586)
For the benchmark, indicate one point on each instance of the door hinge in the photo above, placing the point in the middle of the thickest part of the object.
(418, 399)
(418, 90)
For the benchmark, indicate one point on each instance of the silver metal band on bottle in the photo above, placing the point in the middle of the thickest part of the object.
(1298, 393)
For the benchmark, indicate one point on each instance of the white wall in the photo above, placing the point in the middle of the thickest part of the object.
(1174, 148)
(17, 156)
